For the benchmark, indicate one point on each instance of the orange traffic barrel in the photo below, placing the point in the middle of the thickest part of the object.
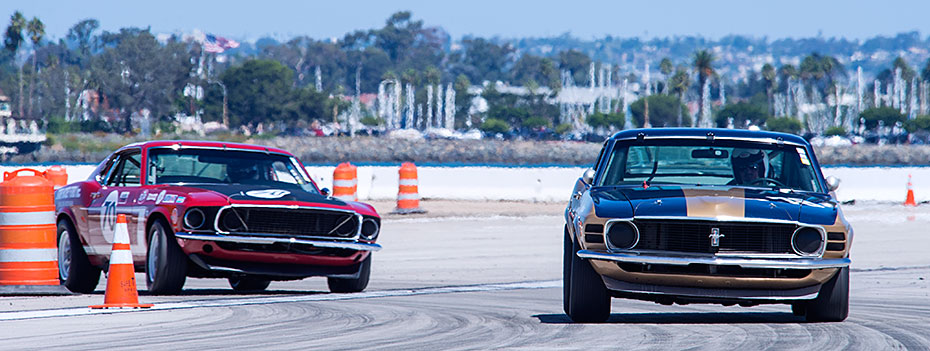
(909, 198)
(345, 182)
(28, 245)
(408, 196)
(57, 175)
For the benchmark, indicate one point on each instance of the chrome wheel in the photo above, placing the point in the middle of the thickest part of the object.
(64, 254)
(152, 270)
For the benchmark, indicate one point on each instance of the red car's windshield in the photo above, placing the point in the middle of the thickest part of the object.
(191, 165)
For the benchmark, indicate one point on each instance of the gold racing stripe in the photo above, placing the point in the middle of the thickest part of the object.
(713, 203)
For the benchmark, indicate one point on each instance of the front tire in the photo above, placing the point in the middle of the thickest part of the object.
(832, 303)
(74, 269)
(352, 285)
(566, 271)
(165, 263)
(588, 301)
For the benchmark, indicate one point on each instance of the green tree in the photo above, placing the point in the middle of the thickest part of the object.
(530, 68)
(576, 62)
(666, 67)
(741, 113)
(493, 125)
(784, 124)
(83, 33)
(36, 30)
(257, 90)
(921, 123)
(12, 40)
(769, 79)
(606, 120)
(663, 111)
(135, 72)
(703, 64)
(679, 85)
(886, 114)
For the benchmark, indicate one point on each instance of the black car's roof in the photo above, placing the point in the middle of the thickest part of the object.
(704, 132)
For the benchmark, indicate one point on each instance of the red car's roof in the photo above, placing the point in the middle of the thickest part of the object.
(211, 144)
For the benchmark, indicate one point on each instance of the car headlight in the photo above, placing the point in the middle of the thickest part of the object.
(621, 235)
(807, 241)
(370, 229)
(194, 218)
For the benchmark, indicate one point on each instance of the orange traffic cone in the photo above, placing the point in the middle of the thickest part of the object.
(408, 196)
(121, 280)
(909, 201)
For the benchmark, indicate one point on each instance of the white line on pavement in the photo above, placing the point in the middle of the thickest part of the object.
(243, 301)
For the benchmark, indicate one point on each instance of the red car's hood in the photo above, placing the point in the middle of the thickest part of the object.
(224, 194)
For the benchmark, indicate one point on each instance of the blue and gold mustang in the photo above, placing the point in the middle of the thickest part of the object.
(706, 216)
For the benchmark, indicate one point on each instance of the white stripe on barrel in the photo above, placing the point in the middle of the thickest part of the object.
(345, 183)
(407, 196)
(28, 255)
(27, 218)
(408, 182)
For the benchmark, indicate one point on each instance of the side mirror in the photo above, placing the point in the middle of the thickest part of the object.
(832, 183)
(588, 176)
(324, 191)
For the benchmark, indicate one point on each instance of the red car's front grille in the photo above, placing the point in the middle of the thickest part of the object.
(289, 222)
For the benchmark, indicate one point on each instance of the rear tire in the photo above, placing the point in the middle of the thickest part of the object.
(566, 271)
(588, 301)
(74, 268)
(165, 263)
(248, 283)
(352, 285)
(832, 303)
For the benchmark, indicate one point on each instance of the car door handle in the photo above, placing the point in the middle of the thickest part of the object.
(95, 195)
(577, 195)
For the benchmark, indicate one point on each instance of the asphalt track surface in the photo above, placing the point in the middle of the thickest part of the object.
(490, 283)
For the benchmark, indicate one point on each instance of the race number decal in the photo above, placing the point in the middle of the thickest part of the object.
(108, 215)
(268, 194)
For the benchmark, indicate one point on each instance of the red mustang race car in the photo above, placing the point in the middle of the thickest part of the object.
(247, 213)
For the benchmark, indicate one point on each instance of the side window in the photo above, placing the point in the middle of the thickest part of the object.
(128, 170)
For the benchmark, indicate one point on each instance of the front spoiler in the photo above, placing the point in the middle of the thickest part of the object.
(351, 245)
(745, 262)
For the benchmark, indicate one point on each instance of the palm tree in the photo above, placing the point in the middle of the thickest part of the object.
(36, 30)
(12, 40)
(768, 75)
(703, 63)
(666, 67)
(679, 84)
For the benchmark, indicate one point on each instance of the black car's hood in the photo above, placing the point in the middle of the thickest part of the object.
(713, 202)
(252, 193)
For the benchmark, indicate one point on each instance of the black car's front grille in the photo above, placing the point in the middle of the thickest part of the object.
(695, 236)
(289, 222)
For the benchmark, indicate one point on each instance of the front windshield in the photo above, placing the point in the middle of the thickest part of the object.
(726, 163)
(187, 165)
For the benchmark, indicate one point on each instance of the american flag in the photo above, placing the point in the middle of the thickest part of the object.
(217, 44)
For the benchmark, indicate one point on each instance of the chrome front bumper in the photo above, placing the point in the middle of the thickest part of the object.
(745, 262)
(351, 245)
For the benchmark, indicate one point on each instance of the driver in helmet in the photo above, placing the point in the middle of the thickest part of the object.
(242, 172)
(749, 165)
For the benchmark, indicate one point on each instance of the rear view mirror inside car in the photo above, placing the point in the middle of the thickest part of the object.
(709, 153)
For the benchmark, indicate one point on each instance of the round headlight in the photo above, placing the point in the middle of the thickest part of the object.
(807, 241)
(230, 221)
(194, 218)
(622, 235)
(347, 228)
(370, 229)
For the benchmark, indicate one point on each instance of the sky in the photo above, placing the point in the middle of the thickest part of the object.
(585, 19)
